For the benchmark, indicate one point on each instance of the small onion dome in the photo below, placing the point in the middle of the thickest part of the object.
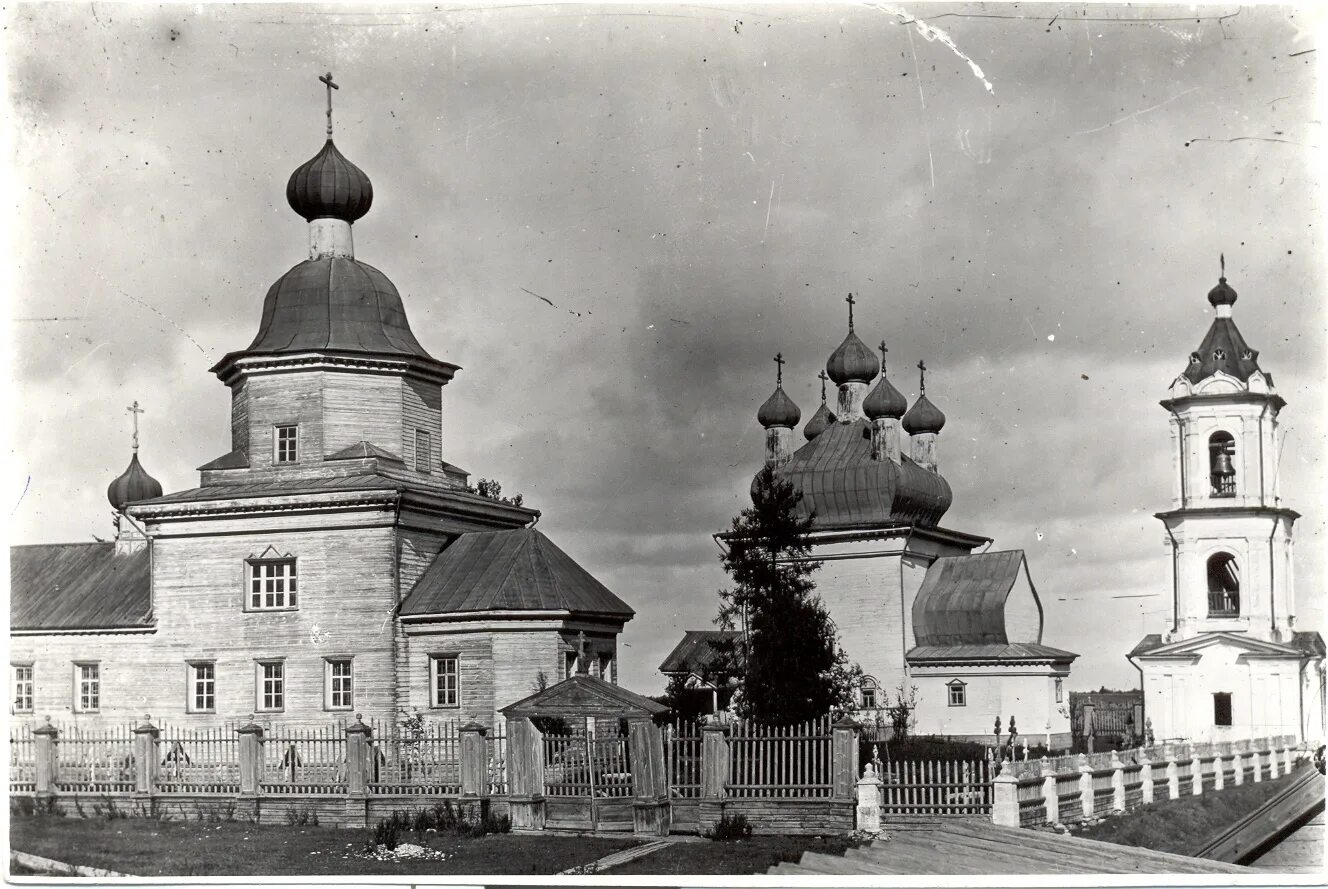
(923, 416)
(818, 423)
(327, 186)
(779, 410)
(133, 484)
(853, 362)
(1223, 294)
(884, 401)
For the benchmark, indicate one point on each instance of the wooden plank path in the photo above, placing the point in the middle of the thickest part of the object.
(976, 846)
(1262, 829)
(1301, 852)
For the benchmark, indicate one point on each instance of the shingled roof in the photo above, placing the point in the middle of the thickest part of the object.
(511, 570)
(698, 651)
(78, 586)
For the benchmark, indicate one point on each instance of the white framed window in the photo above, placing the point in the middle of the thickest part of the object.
(338, 684)
(957, 693)
(87, 687)
(1060, 690)
(444, 680)
(423, 450)
(286, 444)
(271, 585)
(22, 686)
(270, 693)
(202, 687)
(869, 701)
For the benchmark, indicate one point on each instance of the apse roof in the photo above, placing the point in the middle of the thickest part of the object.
(511, 570)
(78, 586)
(962, 599)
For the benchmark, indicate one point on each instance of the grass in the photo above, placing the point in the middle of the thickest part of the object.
(1185, 825)
(176, 848)
(754, 855)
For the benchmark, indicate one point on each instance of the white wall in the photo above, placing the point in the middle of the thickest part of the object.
(1027, 692)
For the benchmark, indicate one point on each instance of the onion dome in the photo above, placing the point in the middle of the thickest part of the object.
(819, 421)
(1223, 294)
(779, 410)
(923, 416)
(884, 401)
(852, 362)
(327, 186)
(134, 484)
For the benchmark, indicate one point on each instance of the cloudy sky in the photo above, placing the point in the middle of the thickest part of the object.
(1032, 198)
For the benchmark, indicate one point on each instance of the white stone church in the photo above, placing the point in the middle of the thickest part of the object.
(1231, 663)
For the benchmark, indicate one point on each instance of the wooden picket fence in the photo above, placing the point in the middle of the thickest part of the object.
(496, 744)
(585, 766)
(304, 761)
(423, 761)
(95, 761)
(936, 787)
(790, 761)
(22, 759)
(198, 760)
(682, 759)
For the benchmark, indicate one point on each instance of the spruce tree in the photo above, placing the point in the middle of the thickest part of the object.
(790, 663)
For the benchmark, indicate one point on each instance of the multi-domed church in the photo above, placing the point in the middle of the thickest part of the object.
(330, 559)
(915, 605)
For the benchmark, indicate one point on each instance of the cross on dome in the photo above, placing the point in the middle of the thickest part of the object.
(134, 411)
(331, 85)
(823, 377)
(883, 351)
(779, 372)
(851, 302)
(922, 378)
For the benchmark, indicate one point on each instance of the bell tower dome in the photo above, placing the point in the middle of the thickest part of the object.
(1229, 531)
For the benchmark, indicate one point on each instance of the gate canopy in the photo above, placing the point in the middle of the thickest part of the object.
(585, 695)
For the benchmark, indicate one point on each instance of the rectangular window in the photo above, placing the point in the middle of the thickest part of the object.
(271, 584)
(958, 694)
(271, 685)
(22, 683)
(287, 442)
(868, 698)
(87, 690)
(423, 450)
(1060, 690)
(339, 685)
(1221, 708)
(202, 687)
(445, 681)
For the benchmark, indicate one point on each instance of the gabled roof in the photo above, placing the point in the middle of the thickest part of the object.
(962, 599)
(78, 586)
(511, 570)
(585, 695)
(1021, 652)
(1310, 643)
(698, 651)
(236, 459)
(1153, 646)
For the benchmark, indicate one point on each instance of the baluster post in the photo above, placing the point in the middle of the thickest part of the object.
(1145, 778)
(1173, 772)
(1050, 800)
(1117, 783)
(1086, 786)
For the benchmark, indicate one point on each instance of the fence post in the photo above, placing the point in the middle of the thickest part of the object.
(1005, 799)
(1288, 754)
(1238, 762)
(715, 764)
(1089, 729)
(1254, 758)
(1196, 771)
(146, 748)
(251, 759)
(651, 812)
(474, 760)
(869, 800)
(1145, 778)
(1085, 786)
(358, 736)
(844, 756)
(1050, 800)
(525, 756)
(1117, 783)
(1273, 764)
(45, 738)
(1173, 773)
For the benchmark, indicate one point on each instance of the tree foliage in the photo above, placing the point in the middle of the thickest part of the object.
(790, 664)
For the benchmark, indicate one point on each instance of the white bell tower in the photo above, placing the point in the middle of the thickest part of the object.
(1229, 532)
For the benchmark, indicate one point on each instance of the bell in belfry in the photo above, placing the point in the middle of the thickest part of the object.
(1222, 465)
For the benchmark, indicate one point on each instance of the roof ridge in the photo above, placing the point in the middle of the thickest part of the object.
(72, 543)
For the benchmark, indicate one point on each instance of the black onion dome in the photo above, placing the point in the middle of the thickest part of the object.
(884, 401)
(778, 410)
(338, 304)
(327, 186)
(923, 416)
(819, 421)
(1223, 294)
(134, 484)
(853, 362)
(843, 487)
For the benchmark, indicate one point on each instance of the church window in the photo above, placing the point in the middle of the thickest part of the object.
(287, 442)
(1223, 586)
(1221, 464)
(202, 687)
(271, 685)
(569, 664)
(22, 682)
(1221, 708)
(338, 684)
(958, 693)
(606, 667)
(445, 680)
(423, 450)
(1060, 690)
(87, 688)
(868, 691)
(271, 584)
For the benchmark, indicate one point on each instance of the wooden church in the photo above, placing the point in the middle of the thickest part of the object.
(330, 561)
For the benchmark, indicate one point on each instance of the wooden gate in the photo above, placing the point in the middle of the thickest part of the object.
(936, 788)
(587, 783)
